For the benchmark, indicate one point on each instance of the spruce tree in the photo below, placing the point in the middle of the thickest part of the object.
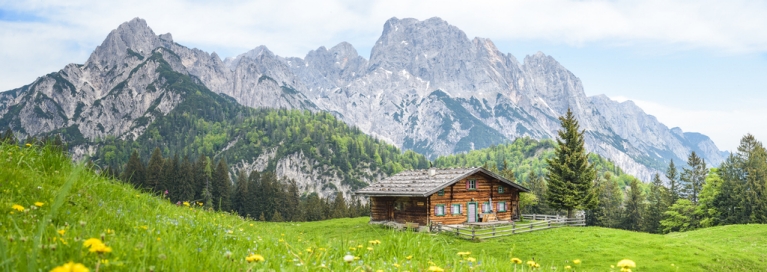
(134, 171)
(634, 207)
(753, 160)
(609, 210)
(154, 173)
(538, 188)
(187, 191)
(339, 206)
(222, 187)
(277, 217)
(693, 177)
(200, 177)
(293, 203)
(241, 194)
(313, 208)
(169, 184)
(673, 183)
(570, 176)
(731, 203)
(657, 205)
(254, 192)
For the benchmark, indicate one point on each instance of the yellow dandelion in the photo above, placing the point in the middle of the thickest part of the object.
(254, 258)
(409, 257)
(110, 231)
(436, 268)
(379, 270)
(28, 145)
(186, 203)
(100, 248)
(567, 267)
(625, 269)
(531, 263)
(370, 248)
(577, 261)
(396, 265)
(39, 204)
(626, 263)
(61, 231)
(17, 207)
(471, 259)
(359, 246)
(158, 239)
(309, 250)
(516, 260)
(92, 241)
(537, 265)
(356, 258)
(70, 267)
(464, 254)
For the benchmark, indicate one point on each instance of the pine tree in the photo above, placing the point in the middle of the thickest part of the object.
(169, 184)
(134, 171)
(200, 177)
(731, 204)
(154, 170)
(8, 137)
(222, 187)
(262, 218)
(634, 207)
(609, 210)
(693, 178)
(254, 192)
(293, 203)
(507, 172)
(570, 176)
(277, 217)
(673, 183)
(656, 207)
(313, 208)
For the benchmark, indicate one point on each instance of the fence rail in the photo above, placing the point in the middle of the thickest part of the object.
(485, 232)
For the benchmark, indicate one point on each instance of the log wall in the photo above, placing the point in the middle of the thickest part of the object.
(399, 209)
(458, 194)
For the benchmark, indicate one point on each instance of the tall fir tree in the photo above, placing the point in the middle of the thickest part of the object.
(154, 173)
(200, 177)
(339, 206)
(673, 183)
(693, 178)
(313, 208)
(634, 207)
(134, 171)
(537, 187)
(169, 184)
(222, 187)
(753, 158)
(241, 194)
(570, 176)
(293, 202)
(253, 209)
(187, 180)
(731, 204)
(656, 206)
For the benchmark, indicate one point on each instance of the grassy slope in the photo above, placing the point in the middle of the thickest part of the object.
(149, 232)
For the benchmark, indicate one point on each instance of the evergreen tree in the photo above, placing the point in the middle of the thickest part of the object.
(570, 176)
(134, 171)
(609, 210)
(200, 176)
(154, 173)
(254, 193)
(753, 158)
(277, 217)
(170, 184)
(507, 172)
(222, 187)
(693, 178)
(732, 206)
(187, 180)
(8, 137)
(293, 203)
(634, 207)
(707, 211)
(656, 207)
(339, 206)
(241, 194)
(673, 183)
(313, 208)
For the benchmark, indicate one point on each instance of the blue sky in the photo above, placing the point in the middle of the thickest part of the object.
(700, 65)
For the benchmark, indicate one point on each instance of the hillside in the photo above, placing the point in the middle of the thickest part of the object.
(162, 237)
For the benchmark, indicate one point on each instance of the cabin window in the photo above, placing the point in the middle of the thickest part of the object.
(441, 192)
(471, 184)
(439, 210)
(501, 206)
(486, 208)
(456, 209)
(500, 189)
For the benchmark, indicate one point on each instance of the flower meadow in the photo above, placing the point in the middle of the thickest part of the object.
(60, 216)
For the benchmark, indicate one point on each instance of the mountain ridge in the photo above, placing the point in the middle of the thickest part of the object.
(426, 87)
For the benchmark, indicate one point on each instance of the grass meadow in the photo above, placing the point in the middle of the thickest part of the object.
(53, 212)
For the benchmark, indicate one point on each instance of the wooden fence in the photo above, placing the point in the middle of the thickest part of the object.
(485, 232)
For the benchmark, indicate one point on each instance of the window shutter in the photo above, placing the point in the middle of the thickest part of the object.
(436, 210)
(499, 207)
(467, 184)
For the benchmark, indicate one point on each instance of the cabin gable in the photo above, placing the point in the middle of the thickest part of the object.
(457, 197)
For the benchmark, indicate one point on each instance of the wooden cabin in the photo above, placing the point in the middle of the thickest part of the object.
(446, 196)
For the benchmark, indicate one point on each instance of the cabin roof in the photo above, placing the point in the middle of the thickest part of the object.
(421, 183)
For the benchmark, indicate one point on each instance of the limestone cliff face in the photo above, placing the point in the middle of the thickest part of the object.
(426, 87)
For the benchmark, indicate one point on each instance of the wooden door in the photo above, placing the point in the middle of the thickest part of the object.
(471, 212)
(390, 210)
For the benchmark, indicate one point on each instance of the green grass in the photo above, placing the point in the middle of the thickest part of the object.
(148, 233)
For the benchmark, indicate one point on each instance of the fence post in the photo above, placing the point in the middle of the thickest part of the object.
(531, 226)
(513, 227)
(457, 231)
(493, 230)
(472, 233)
(439, 227)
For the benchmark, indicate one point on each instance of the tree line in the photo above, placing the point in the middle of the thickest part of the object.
(692, 197)
(257, 195)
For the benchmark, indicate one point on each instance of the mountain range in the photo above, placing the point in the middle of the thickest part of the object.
(425, 87)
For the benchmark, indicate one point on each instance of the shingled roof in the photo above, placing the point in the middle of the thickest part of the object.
(421, 183)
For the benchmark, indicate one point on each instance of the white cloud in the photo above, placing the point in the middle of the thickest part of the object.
(724, 127)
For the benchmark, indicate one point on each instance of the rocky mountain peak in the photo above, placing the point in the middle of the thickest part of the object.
(253, 54)
(134, 35)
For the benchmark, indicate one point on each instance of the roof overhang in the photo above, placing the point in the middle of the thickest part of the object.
(472, 172)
